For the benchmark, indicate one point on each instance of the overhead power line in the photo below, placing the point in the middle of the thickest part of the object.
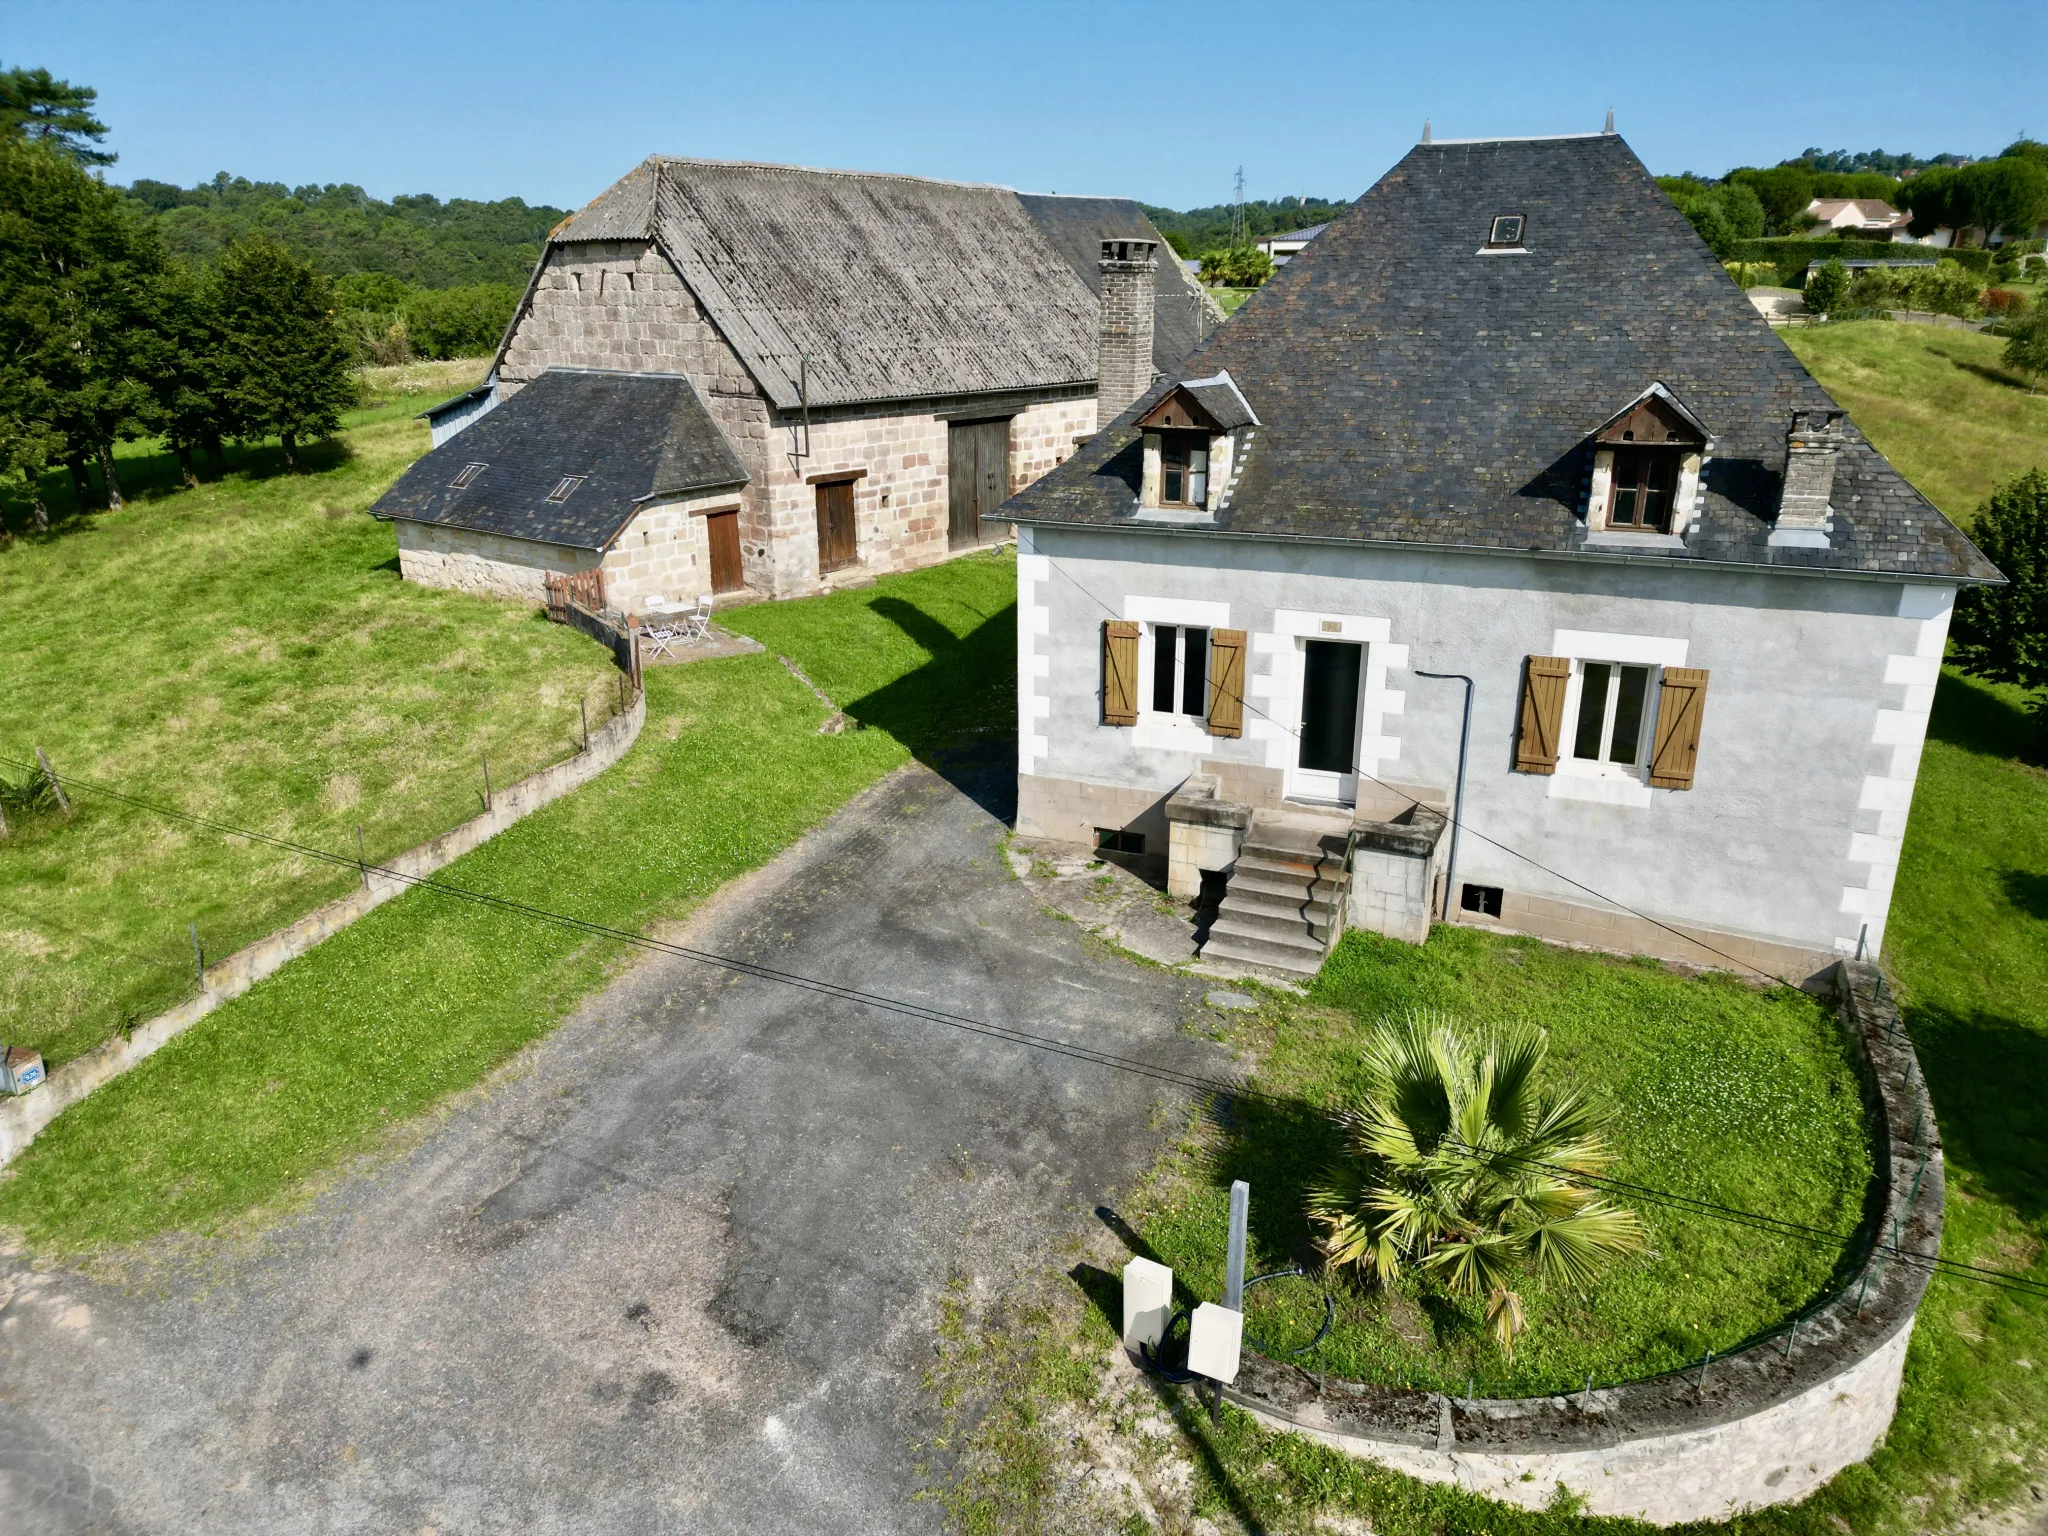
(1193, 1082)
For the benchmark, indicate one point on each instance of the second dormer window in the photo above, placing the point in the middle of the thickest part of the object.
(1184, 469)
(1644, 479)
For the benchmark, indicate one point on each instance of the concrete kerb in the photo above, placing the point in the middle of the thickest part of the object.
(22, 1119)
(1767, 1424)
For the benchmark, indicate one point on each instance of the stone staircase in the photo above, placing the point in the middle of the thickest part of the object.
(1284, 906)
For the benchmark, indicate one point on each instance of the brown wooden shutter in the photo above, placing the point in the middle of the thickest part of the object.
(1542, 714)
(1226, 682)
(1119, 672)
(1680, 704)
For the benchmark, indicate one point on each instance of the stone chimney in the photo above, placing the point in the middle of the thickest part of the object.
(1812, 449)
(1124, 342)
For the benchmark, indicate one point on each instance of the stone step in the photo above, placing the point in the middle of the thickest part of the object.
(1286, 885)
(1295, 903)
(1288, 924)
(1294, 959)
(1290, 855)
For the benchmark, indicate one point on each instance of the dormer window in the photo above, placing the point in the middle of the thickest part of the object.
(1192, 439)
(1183, 469)
(1505, 233)
(1646, 467)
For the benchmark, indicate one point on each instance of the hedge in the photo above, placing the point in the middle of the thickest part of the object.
(1791, 251)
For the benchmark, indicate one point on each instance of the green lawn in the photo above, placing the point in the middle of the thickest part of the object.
(1715, 1091)
(1937, 403)
(427, 994)
(248, 652)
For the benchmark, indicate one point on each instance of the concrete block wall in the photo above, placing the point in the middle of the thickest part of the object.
(1391, 893)
(484, 563)
(1068, 811)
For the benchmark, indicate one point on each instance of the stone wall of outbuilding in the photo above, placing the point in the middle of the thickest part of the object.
(1768, 1424)
(485, 563)
(620, 304)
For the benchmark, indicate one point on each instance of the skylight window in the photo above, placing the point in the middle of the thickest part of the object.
(1506, 231)
(469, 473)
(564, 486)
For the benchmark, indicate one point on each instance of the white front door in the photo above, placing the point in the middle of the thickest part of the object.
(1326, 756)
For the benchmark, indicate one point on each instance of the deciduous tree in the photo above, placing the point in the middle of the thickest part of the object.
(2001, 633)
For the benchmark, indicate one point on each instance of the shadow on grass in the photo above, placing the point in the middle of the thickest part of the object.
(1978, 718)
(957, 713)
(1990, 375)
(1985, 1074)
(151, 474)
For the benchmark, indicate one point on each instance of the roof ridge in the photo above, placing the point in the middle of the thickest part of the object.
(1517, 138)
(827, 170)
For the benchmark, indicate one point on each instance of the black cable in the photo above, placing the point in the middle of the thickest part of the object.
(1009, 1034)
(1459, 820)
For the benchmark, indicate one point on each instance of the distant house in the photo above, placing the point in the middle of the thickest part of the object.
(1504, 426)
(1283, 248)
(1866, 218)
(883, 359)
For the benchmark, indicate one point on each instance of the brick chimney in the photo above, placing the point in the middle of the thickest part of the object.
(1812, 449)
(1124, 341)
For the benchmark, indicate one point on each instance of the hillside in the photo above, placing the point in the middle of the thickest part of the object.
(418, 239)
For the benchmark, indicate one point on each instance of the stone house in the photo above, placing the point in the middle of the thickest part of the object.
(1498, 564)
(886, 359)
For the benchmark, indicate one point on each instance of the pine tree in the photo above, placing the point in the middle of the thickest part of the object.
(54, 113)
(284, 366)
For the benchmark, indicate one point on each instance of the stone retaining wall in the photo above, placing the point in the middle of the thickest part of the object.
(21, 1119)
(1768, 1424)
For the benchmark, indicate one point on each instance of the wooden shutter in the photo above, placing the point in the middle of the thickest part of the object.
(1542, 714)
(1680, 703)
(1119, 672)
(1226, 682)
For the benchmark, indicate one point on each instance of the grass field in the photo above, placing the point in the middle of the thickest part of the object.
(1713, 1090)
(245, 651)
(1937, 403)
(426, 994)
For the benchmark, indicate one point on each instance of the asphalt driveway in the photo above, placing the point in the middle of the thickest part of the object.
(676, 1270)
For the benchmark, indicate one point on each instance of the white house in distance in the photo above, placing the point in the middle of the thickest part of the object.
(1284, 248)
(881, 360)
(1506, 426)
(1866, 218)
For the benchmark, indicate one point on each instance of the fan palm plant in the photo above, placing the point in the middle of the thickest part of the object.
(1459, 1163)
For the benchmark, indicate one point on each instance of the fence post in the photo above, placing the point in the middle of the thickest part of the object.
(583, 708)
(50, 773)
(487, 781)
(361, 868)
(198, 957)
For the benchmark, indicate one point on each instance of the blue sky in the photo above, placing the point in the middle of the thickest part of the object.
(1162, 102)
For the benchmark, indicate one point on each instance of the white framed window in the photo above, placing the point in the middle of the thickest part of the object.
(1179, 681)
(1607, 714)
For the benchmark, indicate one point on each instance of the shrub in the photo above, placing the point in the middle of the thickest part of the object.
(1827, 286)
(1947, 289)
(2004, 303)
(2001, 633)
(2026, 347)
(458, 322)
(1244, 267)
(1460, 1163)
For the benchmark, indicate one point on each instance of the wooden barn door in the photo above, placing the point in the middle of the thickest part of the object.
(978, 476)
(835, 525)
(724, 531)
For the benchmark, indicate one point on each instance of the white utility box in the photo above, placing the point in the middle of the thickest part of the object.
(1215, 1341)
(1148, 1302)
(20, 1068)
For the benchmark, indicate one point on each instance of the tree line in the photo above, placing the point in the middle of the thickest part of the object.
(106, 336)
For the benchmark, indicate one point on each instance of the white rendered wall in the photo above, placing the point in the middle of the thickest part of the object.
(1817, 707)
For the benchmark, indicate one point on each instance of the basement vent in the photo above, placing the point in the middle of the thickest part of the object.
(469, 473)
(1506, 231)
(1483, 899)
(564, 486)
(1114, 840)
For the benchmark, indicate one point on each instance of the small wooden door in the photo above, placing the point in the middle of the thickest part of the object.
(724, 531)
(978, 478)
(835, 526)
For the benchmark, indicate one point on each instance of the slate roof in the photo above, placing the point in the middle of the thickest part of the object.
(1182, 311)
(1293, 234)
(1224, 402)
(1413, 391)
(630, 435)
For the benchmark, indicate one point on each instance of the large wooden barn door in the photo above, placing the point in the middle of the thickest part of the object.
(978, 476)
(724, 531)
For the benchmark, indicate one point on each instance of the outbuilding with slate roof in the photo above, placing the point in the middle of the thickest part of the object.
(887, 358)
(1500, 503)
